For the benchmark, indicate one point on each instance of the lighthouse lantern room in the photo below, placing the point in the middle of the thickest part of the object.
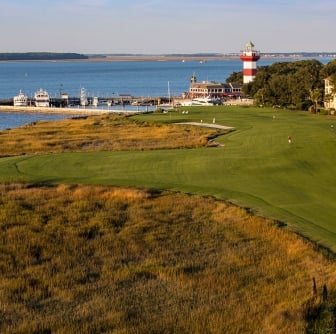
(249, 57)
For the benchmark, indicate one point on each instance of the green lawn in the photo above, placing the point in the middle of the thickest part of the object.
(255, 167)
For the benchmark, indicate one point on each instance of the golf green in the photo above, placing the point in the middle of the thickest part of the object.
(255, 166)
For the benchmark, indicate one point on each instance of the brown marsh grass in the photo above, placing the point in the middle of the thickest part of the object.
(84, 259)
(98, 133)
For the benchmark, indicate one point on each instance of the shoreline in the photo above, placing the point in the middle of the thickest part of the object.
(129, 58)
(160, 58)
(63, 111)
(144, 58)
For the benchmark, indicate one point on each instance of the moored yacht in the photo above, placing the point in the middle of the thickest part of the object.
(83, 99)
(42, 98)
(95, 101)
(20, 100)
(204, 101)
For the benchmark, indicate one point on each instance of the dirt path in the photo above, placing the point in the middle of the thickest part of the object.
(208, 125)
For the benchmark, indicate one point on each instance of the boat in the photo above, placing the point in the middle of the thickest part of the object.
(169, 104)
(42, 98)
(20, 100)
(185, 102)
(95, 101)
(203, 101)
(83, 99)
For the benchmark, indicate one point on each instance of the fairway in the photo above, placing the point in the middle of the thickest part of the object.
(254, 166)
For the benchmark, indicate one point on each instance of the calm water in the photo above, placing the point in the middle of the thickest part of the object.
(111, 78)
(14, 120)
(139, 79)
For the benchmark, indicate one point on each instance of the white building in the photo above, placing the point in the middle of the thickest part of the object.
(329, 94)
(218, 90)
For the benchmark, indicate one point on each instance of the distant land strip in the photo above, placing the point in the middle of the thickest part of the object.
(203, 56)
(35, 56)
(55, 56)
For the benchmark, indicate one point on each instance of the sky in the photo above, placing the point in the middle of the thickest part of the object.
(166, 26)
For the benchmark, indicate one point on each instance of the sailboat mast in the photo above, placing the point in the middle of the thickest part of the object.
(169, 92)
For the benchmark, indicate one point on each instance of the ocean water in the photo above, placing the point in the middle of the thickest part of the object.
(10, 120)
(136, 78)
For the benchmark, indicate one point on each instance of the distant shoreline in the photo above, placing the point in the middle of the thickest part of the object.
(182, 58)
(161, 58)
(129, 58)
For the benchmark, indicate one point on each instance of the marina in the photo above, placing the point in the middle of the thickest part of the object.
(204, 93)
(111, 80)
(119, 86)
(42, 99)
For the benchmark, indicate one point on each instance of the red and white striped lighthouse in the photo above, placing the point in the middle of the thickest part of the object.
(249, 56)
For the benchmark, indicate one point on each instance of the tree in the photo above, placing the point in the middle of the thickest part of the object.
(259, 97)
(328, 70)
(287, 84)
(315, 96)
(235, 77)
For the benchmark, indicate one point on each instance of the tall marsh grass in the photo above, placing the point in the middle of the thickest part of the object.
(80, 259)
(98, 133)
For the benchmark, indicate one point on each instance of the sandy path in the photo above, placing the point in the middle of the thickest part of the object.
(208, 125)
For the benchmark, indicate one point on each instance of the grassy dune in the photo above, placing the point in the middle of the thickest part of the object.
(88, 259)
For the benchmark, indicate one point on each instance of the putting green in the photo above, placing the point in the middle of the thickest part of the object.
(256, 167)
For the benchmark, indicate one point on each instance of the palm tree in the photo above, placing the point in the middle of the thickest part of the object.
(315, 96)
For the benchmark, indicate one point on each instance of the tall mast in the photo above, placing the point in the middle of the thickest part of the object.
(169, 92)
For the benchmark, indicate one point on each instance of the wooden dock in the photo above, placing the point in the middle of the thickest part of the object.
(123, 100)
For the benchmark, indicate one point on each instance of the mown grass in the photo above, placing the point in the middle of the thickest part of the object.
(255, 166)
(88, 259)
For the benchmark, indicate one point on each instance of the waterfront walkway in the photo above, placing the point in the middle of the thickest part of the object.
(65, 111)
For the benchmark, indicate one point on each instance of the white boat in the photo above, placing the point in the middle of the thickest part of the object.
(83, 99)
(165, 106)
(20, 100)
(185, 102)
(42, 98)
(95, 101)
(169, 104)
(203, 101)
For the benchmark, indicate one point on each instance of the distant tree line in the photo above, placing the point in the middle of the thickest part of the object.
(296, 85)
(41, 56)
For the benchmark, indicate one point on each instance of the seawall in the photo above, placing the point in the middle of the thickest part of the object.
(63, 111)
